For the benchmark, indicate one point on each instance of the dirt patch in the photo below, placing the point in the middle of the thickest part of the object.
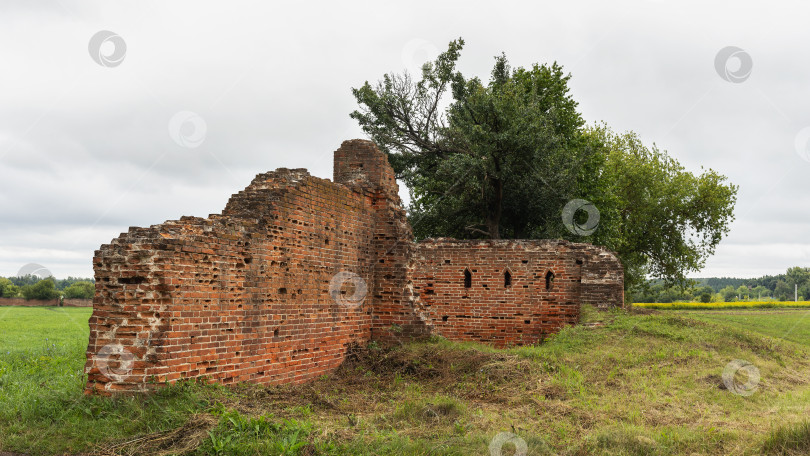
(427, 362)
(370, 377)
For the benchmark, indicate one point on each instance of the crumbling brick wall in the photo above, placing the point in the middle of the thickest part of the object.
(602, 278)
(509, 292)
(248, 295)
(296, 269)
(395, 313)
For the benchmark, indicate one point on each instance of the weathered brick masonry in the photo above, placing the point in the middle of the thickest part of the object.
(511, 291)
(297, 268)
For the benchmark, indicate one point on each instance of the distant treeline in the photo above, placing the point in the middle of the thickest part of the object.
(778, 287)
(35, 287)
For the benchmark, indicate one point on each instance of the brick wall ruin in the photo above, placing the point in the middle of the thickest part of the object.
(508, 292)
(296, 269)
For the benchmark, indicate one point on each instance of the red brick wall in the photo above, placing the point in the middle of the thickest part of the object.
(525, 310)
(602, 278)
(40, 303)
(297, 268)
(395, 315)
(242, 296)
(28, 303)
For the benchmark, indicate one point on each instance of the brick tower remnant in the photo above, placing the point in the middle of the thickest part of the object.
(296, 269)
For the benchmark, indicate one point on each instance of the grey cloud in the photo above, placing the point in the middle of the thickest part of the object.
(85, 150)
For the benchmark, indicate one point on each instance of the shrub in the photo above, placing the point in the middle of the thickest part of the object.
(44, 289)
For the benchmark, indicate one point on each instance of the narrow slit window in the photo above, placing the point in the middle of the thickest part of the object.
(467, 278)
(507, 278)
(549, 280)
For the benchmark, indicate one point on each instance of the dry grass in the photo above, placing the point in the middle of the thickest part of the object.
(182, 440)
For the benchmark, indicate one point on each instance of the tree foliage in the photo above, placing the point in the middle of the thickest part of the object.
(44, 290)
(80, 290)
(781, 287)
(661, 219)
(496, 163)
(8, 289)
(501, 159)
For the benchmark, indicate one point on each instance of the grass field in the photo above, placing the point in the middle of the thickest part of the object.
(636, 384)
(789, 324)
(723, 305)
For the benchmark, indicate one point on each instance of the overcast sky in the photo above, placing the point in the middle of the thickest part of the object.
(184, 102)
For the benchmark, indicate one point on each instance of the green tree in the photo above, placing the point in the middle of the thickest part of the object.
(80, 290)
(62, 284)
(704, 289)
(662, 220)
(783, 291)
(8, 289)
(728, 293)
(503, 159)
(500, 161)
(760, 292)
(44, 290)
(798, 276)
(704, 293)
(804, 292)
(743, 292)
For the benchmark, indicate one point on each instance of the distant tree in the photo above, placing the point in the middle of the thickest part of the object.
(760, 292)
(804, 292)
(705, 297)
(44, 290)
(783, 291)
(8, 289)
(729, 293)
(704, 290)
(798, 276)
(27, 279)
(63, 284)
(80, 290)
(718, 283)
(743, 293)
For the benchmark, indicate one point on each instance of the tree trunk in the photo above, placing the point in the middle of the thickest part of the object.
(494, 208)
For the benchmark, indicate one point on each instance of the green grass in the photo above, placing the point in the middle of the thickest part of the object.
(734, 305)
(792, 325)
(42, 406)
(790, 440)
(638, 384)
